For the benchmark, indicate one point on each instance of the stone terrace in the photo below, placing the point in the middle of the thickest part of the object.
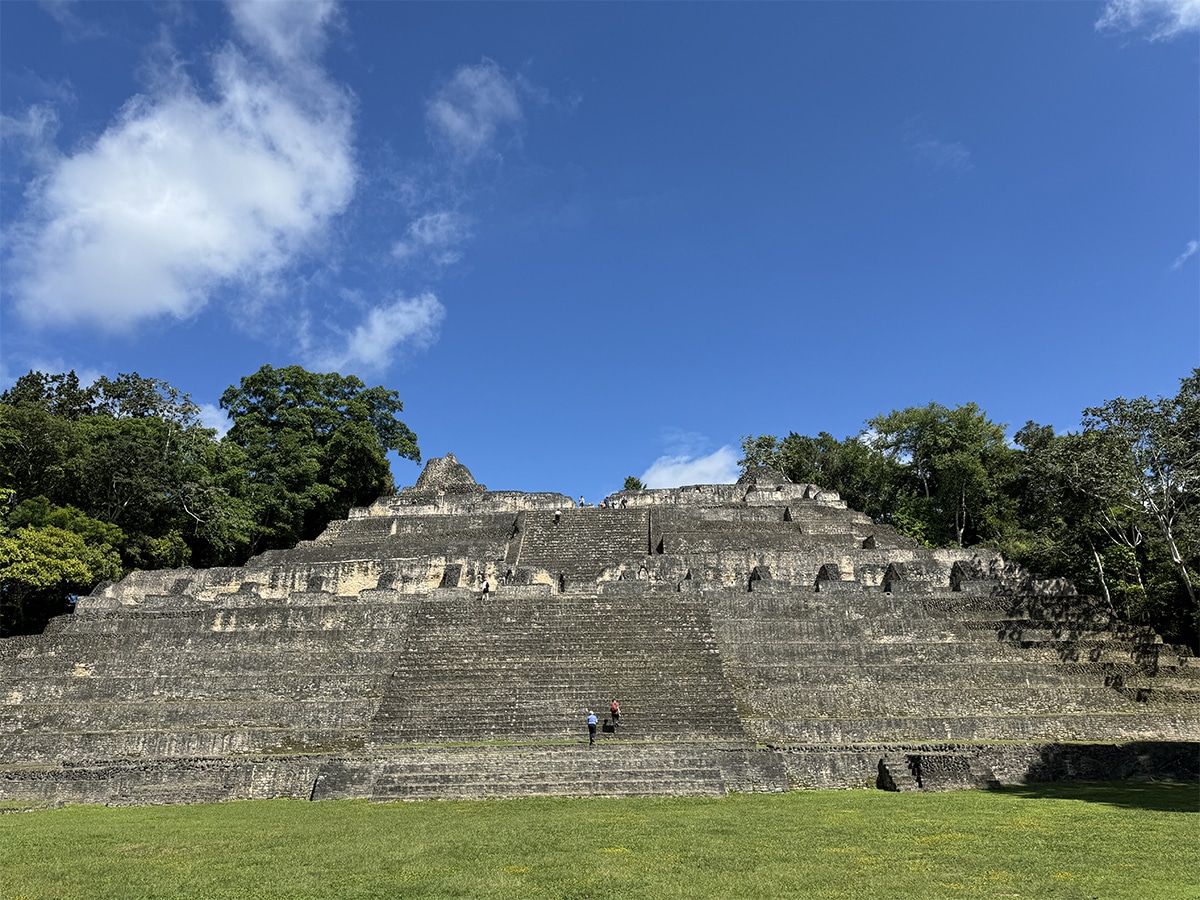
(760, 636)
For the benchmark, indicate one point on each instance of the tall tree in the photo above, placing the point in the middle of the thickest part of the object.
(41, 567)
(130, 451)
(315, 444)
(958, 461)
(1159, 474)
(865, 478)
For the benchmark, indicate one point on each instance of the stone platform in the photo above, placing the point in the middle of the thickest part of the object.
(760, 637)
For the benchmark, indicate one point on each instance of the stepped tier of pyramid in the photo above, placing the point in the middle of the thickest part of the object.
(759, 636)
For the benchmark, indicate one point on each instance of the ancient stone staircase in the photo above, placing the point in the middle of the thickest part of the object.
(581, 543)
(529, 669)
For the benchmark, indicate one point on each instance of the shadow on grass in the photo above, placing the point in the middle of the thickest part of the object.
(1161, 796)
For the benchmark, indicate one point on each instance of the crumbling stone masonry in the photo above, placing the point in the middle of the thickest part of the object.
(760, 637)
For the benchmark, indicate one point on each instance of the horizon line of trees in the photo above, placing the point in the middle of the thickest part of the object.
(99, 480)
(1114, 507)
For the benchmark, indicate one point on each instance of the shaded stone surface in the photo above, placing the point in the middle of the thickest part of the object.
(760, 637)
(447, 474)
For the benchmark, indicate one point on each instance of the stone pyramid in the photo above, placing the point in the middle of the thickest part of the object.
(759, 636)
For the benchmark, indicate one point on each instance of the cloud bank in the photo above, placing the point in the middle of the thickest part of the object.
(182, 194)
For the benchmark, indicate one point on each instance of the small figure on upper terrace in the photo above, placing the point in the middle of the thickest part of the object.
(622, 503)
(487, 586)
(581, 501)
(557, 516)
(615, 709)
(591, 720)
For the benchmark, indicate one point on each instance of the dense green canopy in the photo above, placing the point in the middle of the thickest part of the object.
(122, 475)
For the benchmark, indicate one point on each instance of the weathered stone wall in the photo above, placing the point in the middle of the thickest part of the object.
(760, 636)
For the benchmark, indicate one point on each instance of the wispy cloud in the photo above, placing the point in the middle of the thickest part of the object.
(933, 152)
(466, 118)
(75, 27)
(1161, 19)
(719, 467)
(412, 321)
(435, 236)
(290, 33)
(1188, 252)
(31, 135)
(467, 113)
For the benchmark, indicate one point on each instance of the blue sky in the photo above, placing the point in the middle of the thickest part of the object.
(585, 241)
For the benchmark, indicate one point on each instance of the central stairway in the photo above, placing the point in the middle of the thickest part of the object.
(491, 699)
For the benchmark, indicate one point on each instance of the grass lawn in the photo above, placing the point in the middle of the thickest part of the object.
(1105, 841)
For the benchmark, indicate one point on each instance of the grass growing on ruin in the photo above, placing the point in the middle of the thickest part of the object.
(1079, 841)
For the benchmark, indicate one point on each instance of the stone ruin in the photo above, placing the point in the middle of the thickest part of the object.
(760, 637)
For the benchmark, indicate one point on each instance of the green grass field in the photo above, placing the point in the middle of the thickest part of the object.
(1106, 841)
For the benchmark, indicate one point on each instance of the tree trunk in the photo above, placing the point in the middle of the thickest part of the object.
(1103, 580)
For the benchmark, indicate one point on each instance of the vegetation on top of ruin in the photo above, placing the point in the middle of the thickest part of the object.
(1115, 507)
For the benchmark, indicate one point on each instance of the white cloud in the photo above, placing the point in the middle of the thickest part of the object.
(1188, 252)
(953, 156)
(949, 156)
(468, 111)
(182, 194)
(49, 366)
(408, 320)
(719, 467)
(1163, 18)
(435, 235)
(66, 14)
(286, 31)
(32, 135)
(212, 416)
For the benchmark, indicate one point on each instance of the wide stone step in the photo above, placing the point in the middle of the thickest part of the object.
(265, 614)
(347, 684)
(47, 747)
(1133, 726)
(953, 700)
(142, 782)
(585, 771)
(783, 656)
(181, 715)
(925, 675)
(199, 664)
